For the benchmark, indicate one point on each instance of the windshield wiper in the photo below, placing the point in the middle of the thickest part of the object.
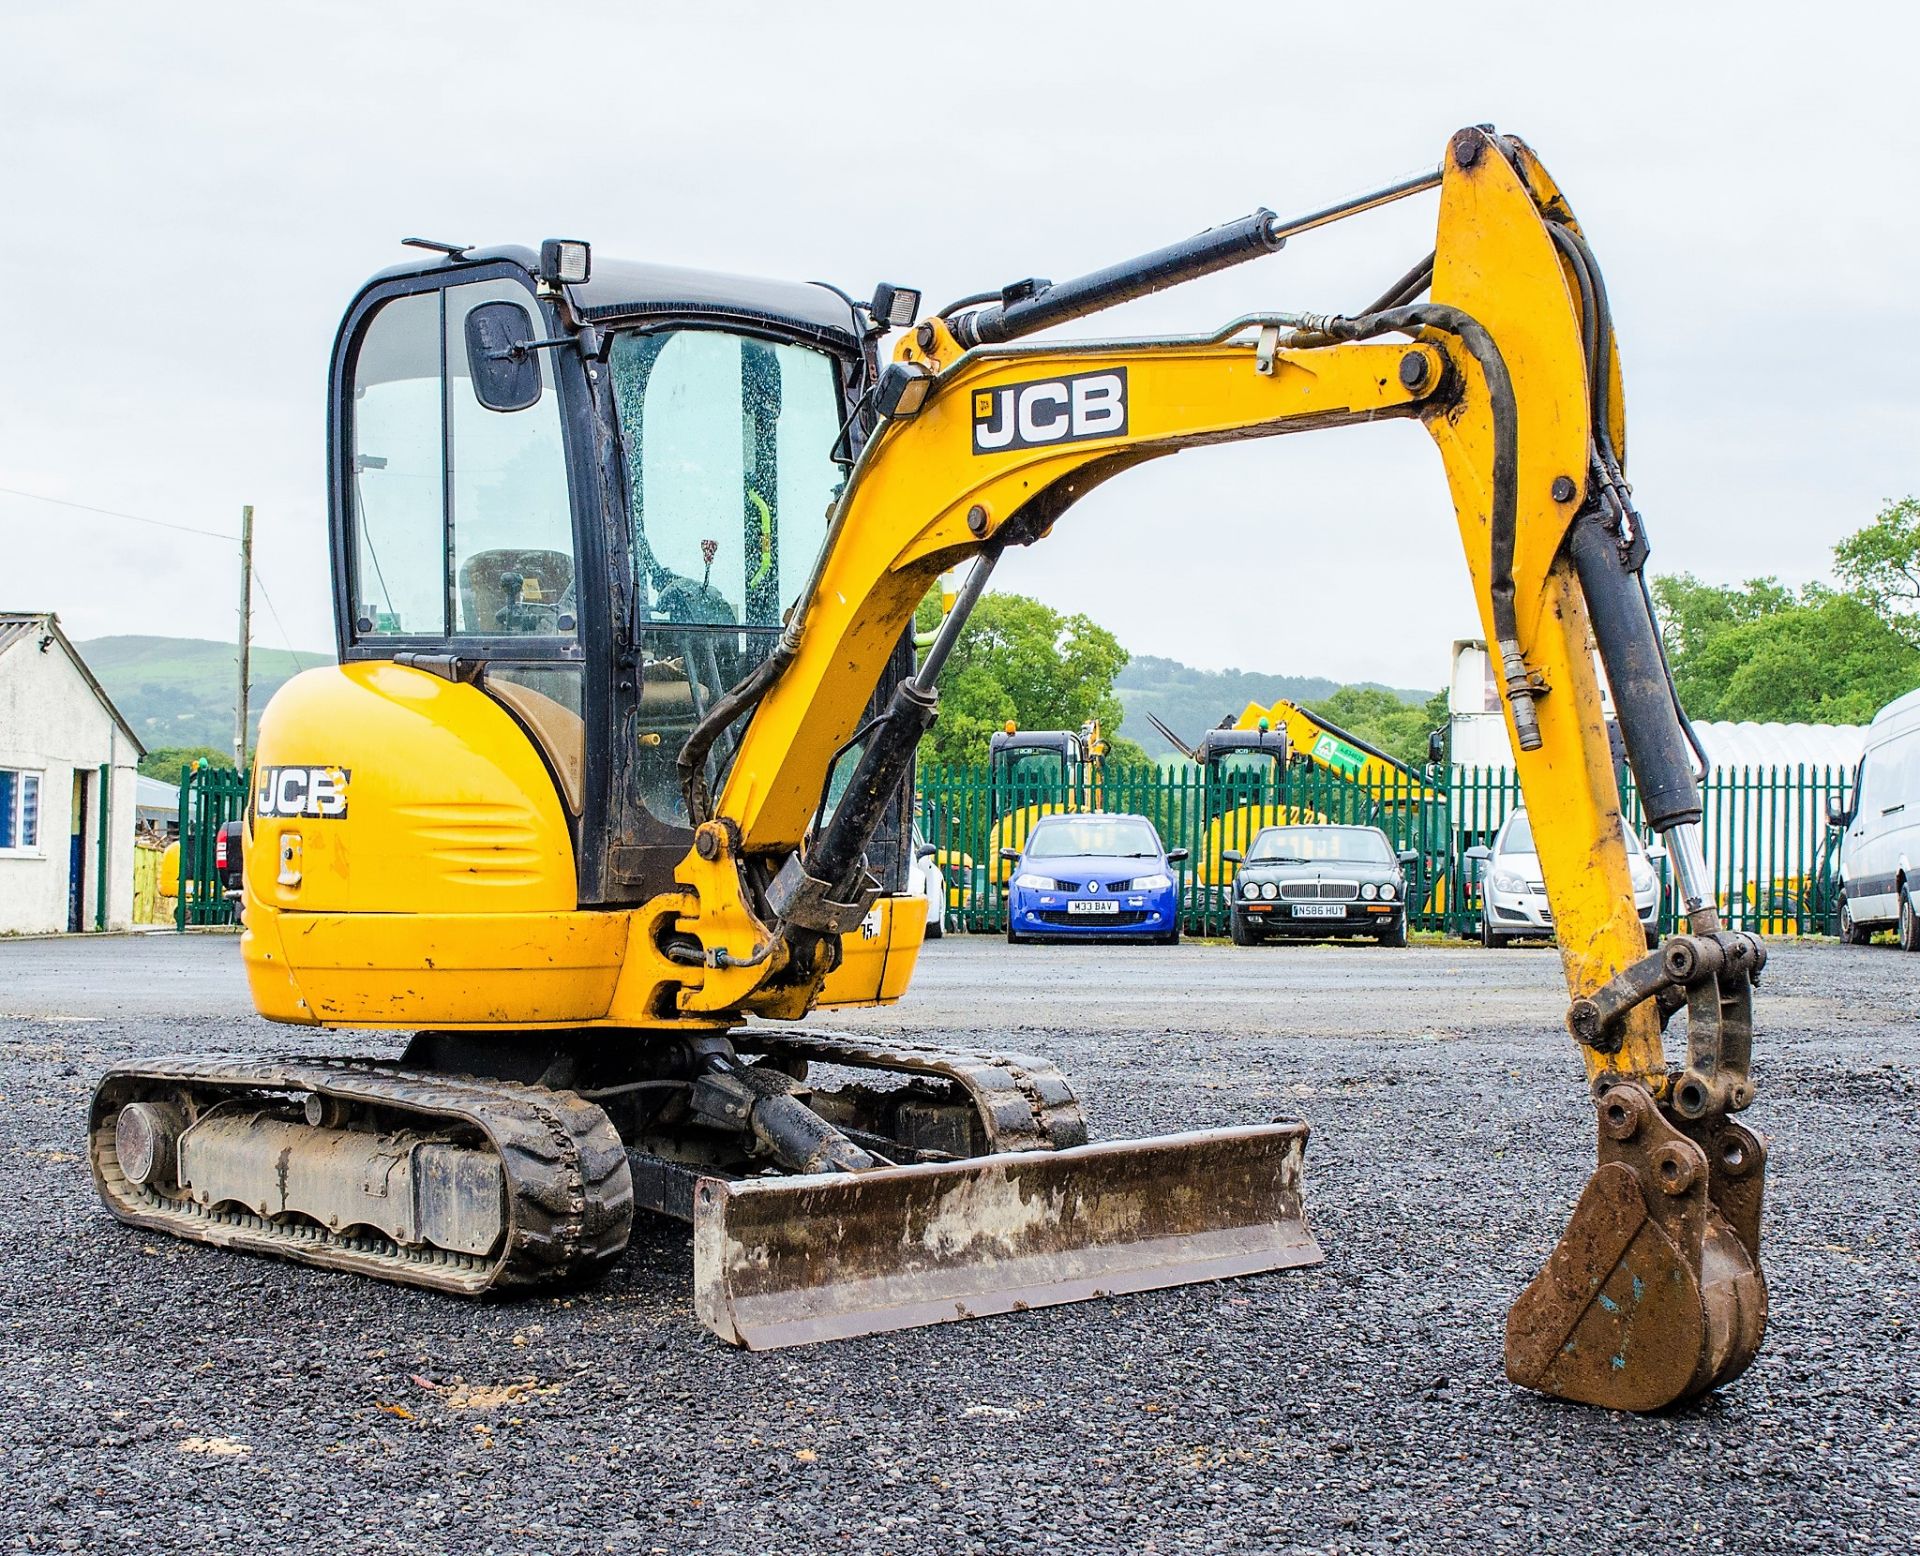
(1279, 859)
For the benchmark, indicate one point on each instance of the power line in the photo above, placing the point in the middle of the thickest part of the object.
(286, 638)
(114, 513)
(273, 611)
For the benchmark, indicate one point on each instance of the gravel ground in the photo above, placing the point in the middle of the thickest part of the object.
(157, 1396)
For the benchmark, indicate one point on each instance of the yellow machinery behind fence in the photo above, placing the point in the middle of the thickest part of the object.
(1244, 760)
(1240, 768)
(618, 756)
(1328, 745)
(1033, 773)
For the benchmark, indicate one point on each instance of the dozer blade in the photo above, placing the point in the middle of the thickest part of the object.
(1654, 1295)
(791, 1261)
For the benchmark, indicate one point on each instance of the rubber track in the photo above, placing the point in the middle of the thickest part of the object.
(569, 1186)
(1024, 1101)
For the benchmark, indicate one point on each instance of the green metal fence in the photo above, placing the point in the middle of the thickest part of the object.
(1767, 841)
(1772, 853)
(209, 797)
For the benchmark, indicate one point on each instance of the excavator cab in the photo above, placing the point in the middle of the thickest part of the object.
(1241, 766)
(1033, 773)
(1027, 766)
(595, 501)
(1243, 771)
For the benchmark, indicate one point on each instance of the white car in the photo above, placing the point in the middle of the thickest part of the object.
(1513, 898)
(926, 878)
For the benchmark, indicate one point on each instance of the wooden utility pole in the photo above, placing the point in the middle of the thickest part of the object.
(246, 636)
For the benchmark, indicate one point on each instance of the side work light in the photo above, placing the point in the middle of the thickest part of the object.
(901, 392)
(568, 260)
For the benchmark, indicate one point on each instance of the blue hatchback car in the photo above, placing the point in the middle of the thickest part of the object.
(1093, 876)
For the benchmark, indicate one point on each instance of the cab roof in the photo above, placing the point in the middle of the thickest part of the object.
(637, 289)
(1034, 740)
(1274, 740)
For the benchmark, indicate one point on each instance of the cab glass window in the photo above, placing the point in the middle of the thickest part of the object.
(1035, 768)
(729, 450)
(509, 523)
(1245, 764)
(460, 514)
(398, 494)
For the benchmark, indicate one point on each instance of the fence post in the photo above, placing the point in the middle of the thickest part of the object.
(180, 843)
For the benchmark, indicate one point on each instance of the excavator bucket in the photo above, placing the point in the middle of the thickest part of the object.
(789, 1261)
(1654, 1294)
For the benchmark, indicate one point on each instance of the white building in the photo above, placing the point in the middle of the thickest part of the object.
(1478, 727)
(67, 762)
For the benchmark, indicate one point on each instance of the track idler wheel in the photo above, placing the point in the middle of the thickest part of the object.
(1654, 1294)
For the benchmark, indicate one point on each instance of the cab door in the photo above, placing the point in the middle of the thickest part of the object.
(460, 545)
(1868, 860)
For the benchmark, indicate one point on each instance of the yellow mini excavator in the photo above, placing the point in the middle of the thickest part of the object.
(610, 787)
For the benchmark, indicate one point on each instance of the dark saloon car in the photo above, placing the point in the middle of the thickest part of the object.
(1093, 876)
(1316, 882)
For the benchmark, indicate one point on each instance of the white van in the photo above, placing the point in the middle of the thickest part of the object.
(1880, 852)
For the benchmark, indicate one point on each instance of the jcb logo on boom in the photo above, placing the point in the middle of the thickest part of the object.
(317, 792)
(1050, 410)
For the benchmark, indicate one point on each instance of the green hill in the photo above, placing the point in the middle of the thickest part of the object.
(1192, 701)
(179, 691)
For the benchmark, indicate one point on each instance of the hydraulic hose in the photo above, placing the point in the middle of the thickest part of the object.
(692, 761)
(1408, 287)
(1610, 482)
(1596, 337)
(1503, 521)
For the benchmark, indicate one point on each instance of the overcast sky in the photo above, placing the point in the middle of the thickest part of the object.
(192, 193)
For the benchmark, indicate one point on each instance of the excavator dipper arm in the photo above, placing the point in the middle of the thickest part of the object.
(1655, 1292)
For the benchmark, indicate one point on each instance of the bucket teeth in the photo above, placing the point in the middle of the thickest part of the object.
(1654, 1293)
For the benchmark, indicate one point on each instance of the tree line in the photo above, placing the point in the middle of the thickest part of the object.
(1022, 662)
(1762, 650)
(1765, 650)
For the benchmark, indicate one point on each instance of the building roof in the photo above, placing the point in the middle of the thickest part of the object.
(155, 796)
(1781, 745)
(20, 626)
